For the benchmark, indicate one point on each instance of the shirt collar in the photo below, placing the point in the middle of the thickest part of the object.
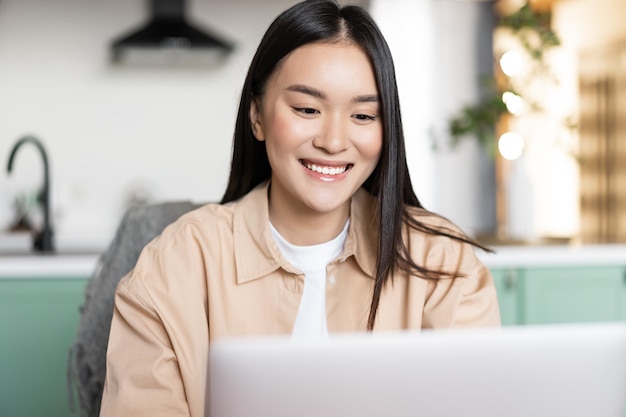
(362, 241)
(256, 253)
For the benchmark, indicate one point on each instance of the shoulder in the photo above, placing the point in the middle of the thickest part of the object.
(205, 233)
(215, 225)
(203, 238)
(430, 227)
(170, 274)
(430, 239)
(184, 241)
(204, 220)
(432, 220)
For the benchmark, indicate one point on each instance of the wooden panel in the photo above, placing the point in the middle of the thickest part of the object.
(592, 155)
(603, 144)
(618, 179)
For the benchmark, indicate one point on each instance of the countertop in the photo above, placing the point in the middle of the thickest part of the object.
(48, 266)
(555, 256)
(74, 258)
(72, 264)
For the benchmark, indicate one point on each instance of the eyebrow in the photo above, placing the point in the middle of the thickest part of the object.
(299, 88)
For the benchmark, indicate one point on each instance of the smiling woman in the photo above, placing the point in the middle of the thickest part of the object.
(319, 119)
(318, 215)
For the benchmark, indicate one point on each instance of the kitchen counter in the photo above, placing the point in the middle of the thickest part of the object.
(74, 257)
(73, 264)
(555, 256)
(47, 266)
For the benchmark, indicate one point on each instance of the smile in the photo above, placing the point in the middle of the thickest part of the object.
(326, 170)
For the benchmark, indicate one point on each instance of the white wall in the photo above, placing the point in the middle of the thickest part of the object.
(165, 131)
(441, 48)
(116, 130)
(109, 129)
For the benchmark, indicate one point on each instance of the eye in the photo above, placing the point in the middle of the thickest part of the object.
(306, 110)
(364, 117)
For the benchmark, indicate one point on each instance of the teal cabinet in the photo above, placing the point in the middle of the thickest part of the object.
(562, 295)
(541, 295)
(38, 322)
(39, 318)
(507, 282)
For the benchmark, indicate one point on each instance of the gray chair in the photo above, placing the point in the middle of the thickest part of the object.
(87, 356)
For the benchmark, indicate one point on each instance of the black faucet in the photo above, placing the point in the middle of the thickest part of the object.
(43, 239)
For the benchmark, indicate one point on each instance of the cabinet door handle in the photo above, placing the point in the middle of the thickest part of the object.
(510, 280)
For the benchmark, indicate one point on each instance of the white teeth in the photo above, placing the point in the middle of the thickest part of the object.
(326, 170)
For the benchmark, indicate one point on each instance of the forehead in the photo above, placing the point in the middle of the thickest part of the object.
(327, 63)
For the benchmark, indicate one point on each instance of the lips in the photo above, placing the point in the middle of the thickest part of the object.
(326, 169)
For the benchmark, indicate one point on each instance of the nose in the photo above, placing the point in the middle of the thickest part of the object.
(333, 136)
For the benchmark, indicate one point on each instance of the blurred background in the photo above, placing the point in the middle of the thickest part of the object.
(146, 127)
(514, 118)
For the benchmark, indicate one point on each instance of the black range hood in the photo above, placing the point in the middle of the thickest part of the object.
(169, 31)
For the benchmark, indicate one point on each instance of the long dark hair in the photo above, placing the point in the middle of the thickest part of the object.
(325, 21)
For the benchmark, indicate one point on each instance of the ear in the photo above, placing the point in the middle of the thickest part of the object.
(255, 120)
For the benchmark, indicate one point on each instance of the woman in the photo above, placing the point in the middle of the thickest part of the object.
(319, 230)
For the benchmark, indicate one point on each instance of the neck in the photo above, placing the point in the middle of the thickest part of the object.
(304, 227)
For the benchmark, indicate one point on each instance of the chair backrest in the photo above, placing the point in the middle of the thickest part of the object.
(87, 356)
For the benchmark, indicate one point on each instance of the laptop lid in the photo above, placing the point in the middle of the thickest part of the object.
(547, 370)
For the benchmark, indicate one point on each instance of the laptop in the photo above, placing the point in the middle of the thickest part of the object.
(527, 371)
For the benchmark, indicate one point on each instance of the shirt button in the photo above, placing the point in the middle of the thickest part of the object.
(331, 280)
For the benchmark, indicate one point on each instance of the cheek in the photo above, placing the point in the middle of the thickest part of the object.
(284, 128)
(370, 143)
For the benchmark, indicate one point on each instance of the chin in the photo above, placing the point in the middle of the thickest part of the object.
(328, 203)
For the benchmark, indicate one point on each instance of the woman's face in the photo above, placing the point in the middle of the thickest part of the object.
(319, 118)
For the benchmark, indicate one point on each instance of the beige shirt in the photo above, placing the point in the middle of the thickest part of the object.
(216, 272)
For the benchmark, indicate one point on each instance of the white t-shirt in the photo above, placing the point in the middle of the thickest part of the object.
(312, 260)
